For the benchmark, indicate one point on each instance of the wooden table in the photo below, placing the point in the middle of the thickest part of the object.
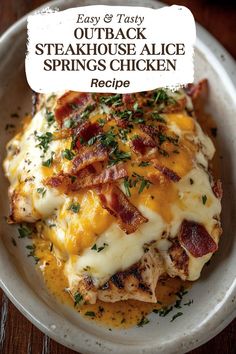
(17, 334)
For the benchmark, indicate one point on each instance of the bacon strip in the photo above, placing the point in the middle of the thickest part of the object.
(128, 99)
(88, 156)
(128, 216)
(109, 175)
(87, 130)
(195, 238)
(140, 144)
(71, 102)
(87, 178)
(167, 172)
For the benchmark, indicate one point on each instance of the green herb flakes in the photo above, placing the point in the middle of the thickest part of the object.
(49, 117)
(204, 199)
(24, 231)
(77, 298)
(41, 191)
(143, 322)
(68, 154)
(75, 207)
(90, 314)
(44, 140)
(178, 314)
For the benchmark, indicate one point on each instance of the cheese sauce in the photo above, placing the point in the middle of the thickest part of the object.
(121, 314)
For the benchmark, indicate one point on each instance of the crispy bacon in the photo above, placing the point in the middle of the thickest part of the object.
(128, 216)
(107, 175)
(89, 155)
(195, 238)
(217, 189)
(128, 99)
(167, 172)
(140, 144)
(71, 102)
(87, 178)
(57, 181)
(86, 131)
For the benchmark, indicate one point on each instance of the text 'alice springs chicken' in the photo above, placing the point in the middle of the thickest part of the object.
(121, 186)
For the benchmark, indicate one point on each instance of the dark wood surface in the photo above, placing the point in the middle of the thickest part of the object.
(17, 334)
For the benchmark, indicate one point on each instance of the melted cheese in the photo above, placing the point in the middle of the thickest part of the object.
(121, 251)
(166, 204)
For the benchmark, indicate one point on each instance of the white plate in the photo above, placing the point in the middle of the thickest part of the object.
(214, 294)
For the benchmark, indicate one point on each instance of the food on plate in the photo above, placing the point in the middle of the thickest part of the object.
(120, 190)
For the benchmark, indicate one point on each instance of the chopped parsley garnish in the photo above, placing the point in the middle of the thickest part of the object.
(164, 311)
(157, 117)
(188, 303)
(92, 140)
(101, 122)
(127, 187)
(134, 181)
(69, 123)
(144, 183)
(42, 191)
(144, 164)
(135, 106)
(44, 140)
(137, 109)
(163, 152)
(118, 156)
(49, 117)
(99, 249)
(178, 314)
(68, 154)
(178, 304)
(204, 199)
(85, 114)
(123, 134)
(90, 314)
(32, 249)
(160, 95)
(48, 163)
(111, 100)
(181, 293)
(24, 231)
(143, 322)
(75, 207)
(77, 298)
